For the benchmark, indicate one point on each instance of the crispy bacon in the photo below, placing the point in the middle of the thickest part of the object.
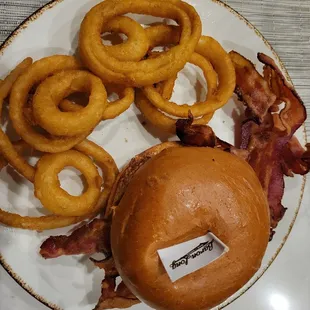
(203, 136)
(108, 265)
(294, 114)
(296, 160)
(123, 291)
(251, 87)
(268, 141)
(88, 239)
(194, 134)
(265, 150)
(115, 298)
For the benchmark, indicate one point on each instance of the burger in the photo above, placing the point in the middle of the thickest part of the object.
(185, 227)
(172, 195)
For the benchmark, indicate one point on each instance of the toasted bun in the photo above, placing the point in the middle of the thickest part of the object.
(124, 177)
(178, 195)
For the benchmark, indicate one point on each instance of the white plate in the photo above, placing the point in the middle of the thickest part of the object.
(72, 283)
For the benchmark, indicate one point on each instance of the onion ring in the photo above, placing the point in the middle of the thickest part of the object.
(210, 49)
(114, 108)
(110, 171)
(3, 163)
(166, 122)
(209, 74)
(137, 44)
(159, 119)
(164, 88)
(36, 223)
(219, 59)
(47, 185)
(37, 72)
(6, 147)
(39, 223)
(53, 90)
(20, 146)
(167, 87)
(106, 164)
(162, 35)
(148, 71)
(117, 107)
(28, 114)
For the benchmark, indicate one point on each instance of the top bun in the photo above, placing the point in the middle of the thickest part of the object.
(178, 195)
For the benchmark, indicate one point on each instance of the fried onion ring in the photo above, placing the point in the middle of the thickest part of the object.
(39, 223)
(106, 163)
(162, 35)
(53, 90)
(20, 146)
(37, 72)
(148, 71)
(167, 87)
(159, 119)
(6, 147)
(114, 109)
(110, 171)
(137, 44)
(212, 51)
(117, 107)
(172, 108)
(47, 184)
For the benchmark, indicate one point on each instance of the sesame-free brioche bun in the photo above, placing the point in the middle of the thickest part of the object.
(177, 194)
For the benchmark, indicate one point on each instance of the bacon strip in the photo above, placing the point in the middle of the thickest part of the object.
(296, 160)
(251, 87)
(195, 135)
(88, 239)
(115, 298)
(108, 265)
(268, 139)
(203, 136)
(265, 146)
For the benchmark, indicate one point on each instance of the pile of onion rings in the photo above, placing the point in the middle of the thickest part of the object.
(48, 120)
(154, 74)
(218, 71)
(69, 148)
(144, 72)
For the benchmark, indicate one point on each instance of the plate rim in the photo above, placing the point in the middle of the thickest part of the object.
(51, 4)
